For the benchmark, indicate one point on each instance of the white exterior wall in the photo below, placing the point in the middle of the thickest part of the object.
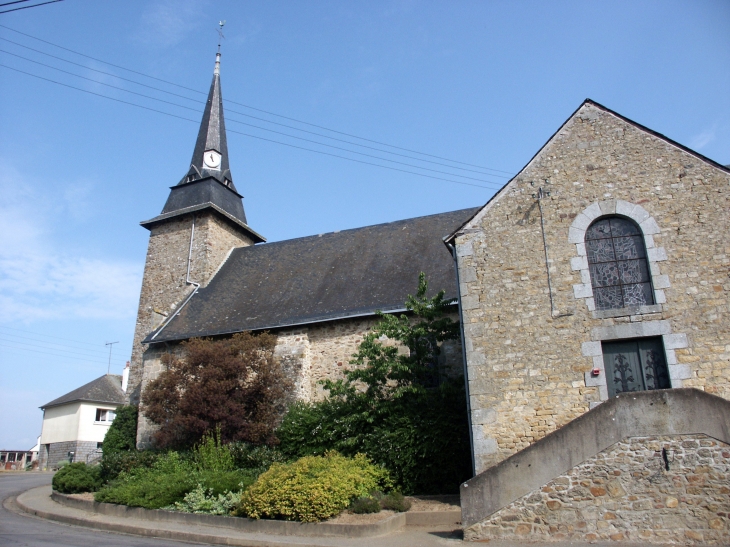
(60, 423)
(89, 430)
(74, 422)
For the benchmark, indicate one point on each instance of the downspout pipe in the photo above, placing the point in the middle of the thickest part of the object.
(452, 250)
(188, 281)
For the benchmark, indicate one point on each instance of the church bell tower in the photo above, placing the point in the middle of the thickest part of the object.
(201, 222)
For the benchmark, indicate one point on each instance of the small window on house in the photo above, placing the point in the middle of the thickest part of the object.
(104, 415)
(11, 456)
(635, 365)
(99, 446)
(618, 265)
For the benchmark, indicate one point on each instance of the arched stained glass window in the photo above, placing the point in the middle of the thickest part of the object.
(618, 265)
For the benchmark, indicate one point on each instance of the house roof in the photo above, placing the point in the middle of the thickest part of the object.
(590, 102)
(105, 389)
(311, 279)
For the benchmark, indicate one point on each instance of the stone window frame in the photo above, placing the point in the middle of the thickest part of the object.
(654, 255)
(624, 331)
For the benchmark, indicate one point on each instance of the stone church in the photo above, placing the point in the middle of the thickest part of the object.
(594, 292)
(208, 273)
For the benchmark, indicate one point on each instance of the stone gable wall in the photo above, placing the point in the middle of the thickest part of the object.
(531, 351)
(163, 282)
(626, 493)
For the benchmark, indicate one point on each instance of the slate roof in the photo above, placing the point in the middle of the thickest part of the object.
(320, 278)
(105, 389)
(204, 188)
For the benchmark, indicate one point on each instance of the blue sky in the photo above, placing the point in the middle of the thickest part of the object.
(484, 83)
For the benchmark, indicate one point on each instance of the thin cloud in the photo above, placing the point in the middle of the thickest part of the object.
(39, 281)
(699, 141)
(166, 23)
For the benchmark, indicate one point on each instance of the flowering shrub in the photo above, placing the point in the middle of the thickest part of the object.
(312, 488)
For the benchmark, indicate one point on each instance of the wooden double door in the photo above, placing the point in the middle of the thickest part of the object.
(635, 365)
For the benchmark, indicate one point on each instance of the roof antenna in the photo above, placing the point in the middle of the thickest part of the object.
(109, 367)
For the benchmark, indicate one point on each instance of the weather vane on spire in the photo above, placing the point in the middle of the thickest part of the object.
(220, 34)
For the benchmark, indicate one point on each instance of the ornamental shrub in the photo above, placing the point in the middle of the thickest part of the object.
(200, 500)
(249, 456)
(387, 406)
(77, 477)
(232, 383)
(122, 434)
(169, 479)
(365, 504)
(395, 501)
(312, 488)
(114, 463)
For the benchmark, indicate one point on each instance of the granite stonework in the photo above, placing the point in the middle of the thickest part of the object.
(532, 332)
(53, 453)
(164, 285)
(664, 489)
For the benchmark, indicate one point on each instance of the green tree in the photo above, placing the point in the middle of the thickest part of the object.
(122, 434)
(389, 405)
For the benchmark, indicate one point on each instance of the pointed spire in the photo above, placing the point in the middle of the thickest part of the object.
(208, 183)
(210, 157)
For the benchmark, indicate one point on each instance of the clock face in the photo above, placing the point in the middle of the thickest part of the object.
(212, 159)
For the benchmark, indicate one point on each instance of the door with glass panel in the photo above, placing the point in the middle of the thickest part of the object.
(635, 365)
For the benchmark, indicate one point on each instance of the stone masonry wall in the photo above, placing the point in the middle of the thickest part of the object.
(163, 282)
(529, 362)
(307, 354)
(626, 493)
(57, 452)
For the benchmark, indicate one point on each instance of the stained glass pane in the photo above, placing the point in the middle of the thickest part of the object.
(622, 227)
(617, 264)
(628, 247)
(633, 271)
(604, 274)
(637, 295)
(599, 250)
(608, 298)
(599, 230)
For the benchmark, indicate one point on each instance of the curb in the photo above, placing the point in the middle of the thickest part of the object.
(245, 525)
(190, 537)
(400, 530)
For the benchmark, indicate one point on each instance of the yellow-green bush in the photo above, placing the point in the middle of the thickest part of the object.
(312, 488)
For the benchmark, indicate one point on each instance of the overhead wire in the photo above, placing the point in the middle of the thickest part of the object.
(99, 362)
(229, 110)
(48, 335)
(233, 120)
(28, 7)
(258, 109)
(262, 138)
(80, 351)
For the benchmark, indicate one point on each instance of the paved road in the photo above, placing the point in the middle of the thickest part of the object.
(20, 530)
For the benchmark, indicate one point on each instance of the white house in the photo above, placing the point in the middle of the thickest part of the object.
(74, 425)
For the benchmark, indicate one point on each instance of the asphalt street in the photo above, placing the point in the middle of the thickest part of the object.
(21, 530)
